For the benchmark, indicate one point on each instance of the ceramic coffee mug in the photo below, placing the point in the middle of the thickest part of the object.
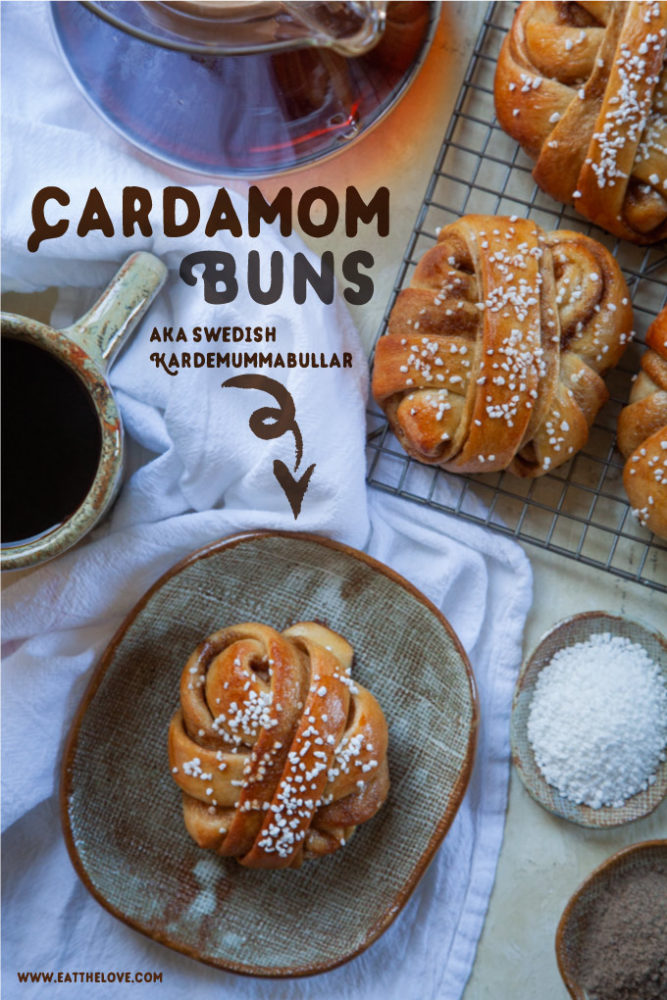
(76, 360)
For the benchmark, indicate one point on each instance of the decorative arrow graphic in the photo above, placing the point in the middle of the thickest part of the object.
(268, 423)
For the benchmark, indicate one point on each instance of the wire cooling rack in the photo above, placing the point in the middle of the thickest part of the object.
(580, 509)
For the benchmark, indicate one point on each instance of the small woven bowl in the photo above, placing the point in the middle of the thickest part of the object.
(579, 628)
(577, 915)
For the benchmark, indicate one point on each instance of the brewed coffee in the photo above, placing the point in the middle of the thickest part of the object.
(256, 113)
(51, 441)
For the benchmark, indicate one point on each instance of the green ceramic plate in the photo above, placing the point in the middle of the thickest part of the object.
(122, 811)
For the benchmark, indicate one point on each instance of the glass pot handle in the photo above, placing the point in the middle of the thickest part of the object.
(320, 20)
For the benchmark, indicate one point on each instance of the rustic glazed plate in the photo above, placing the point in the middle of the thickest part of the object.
(580, 912)
(579, 628)
(122, 811)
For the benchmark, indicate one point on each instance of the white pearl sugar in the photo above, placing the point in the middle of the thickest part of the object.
(598, 720)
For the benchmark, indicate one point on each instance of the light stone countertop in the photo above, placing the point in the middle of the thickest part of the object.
(543, 859)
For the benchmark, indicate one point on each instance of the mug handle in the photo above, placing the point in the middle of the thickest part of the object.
(105, 327)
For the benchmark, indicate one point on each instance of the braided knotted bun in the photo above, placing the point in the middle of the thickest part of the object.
(642, 433)
(279, 754)
(583, 88)
(494, 354)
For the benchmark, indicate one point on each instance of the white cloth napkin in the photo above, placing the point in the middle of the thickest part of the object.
(196, 473)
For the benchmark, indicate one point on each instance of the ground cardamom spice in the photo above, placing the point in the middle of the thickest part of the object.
(622, 951)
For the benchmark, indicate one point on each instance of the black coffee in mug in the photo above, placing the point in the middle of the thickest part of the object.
(51, 441)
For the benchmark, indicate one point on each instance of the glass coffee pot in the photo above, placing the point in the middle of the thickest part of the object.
(232, 27)
(254, 88)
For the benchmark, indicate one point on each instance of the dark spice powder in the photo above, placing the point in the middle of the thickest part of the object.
(622, 948)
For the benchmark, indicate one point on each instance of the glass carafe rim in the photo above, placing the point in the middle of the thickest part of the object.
(194, 47)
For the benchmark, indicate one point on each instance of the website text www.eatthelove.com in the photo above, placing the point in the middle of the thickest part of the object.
(89, 977)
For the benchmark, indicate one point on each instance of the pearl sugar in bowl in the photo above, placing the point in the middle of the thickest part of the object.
(589, 720)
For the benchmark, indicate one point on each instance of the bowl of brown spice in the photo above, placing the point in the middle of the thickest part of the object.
(611, 942)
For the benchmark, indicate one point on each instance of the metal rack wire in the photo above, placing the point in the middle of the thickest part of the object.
(581, 509)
